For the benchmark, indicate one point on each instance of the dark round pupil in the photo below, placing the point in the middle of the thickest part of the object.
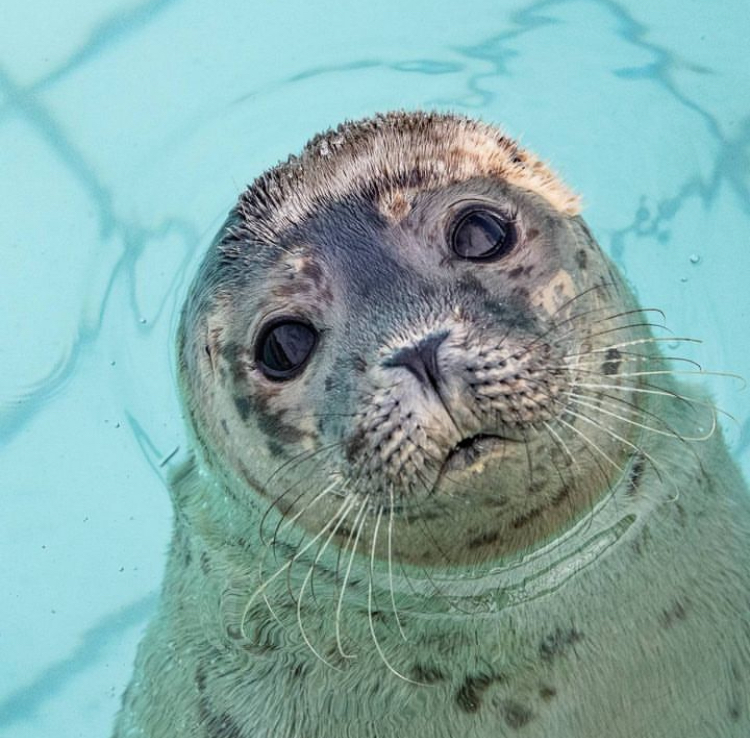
(286, 347)
(480, 235)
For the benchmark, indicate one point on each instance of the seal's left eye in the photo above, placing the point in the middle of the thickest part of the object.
(481, 235)
(284, 347)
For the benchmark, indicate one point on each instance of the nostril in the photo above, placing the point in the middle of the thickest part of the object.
(421, 360)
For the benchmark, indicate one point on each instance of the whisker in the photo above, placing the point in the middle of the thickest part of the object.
(636, 342)
(661, 372)
(326, 491)
(670, 433)
(266, 583)
(308, 578)
(616, 329)
(308, 455)
(618, 437)
(650, 390)
(390, 566)
(556, 436)
(626, 357)
(356, 532)
(591, 444)
(370, 619)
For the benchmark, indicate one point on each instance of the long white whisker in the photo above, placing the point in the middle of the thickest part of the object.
(585, 401)
(618, 437)
(357, 531)
(342, 516)
(265, 584)
(591, 444)
(370, 619)
(390, 563)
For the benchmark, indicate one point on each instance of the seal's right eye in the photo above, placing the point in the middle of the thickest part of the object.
(284, 347)
(479, 234)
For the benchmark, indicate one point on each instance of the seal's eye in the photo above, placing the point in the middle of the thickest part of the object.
(284, 347)
(481, 235)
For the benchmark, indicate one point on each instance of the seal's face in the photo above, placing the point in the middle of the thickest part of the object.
(397, 336)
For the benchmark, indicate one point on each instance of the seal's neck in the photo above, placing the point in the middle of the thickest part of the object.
(340, 597)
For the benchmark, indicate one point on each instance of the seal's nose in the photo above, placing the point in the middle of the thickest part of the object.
(421, 359)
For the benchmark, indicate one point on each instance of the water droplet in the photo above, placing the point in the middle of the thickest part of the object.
(695, 258)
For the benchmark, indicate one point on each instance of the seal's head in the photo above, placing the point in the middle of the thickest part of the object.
(409, 328)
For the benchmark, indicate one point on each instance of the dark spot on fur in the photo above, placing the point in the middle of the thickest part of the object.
(230, 351)
(205, 563)
(581, 259)
(312, 270)
(299, 671)
(536, 487)
(484, 539)
(225, 426)
(326, 296)
(516, 272)
(738, 696)
(526, 518)
(378, 616)
(547, 693)
(360, 365)
(286, 290)
(275, 448)
(214, 725)
(469, 695)
(235, 354)
(222, 726)
(330, 383)
(558, 643)
(674, 614)
(636, 470)
(272, 422)
(426, 674)
(611, 363)
(641, 543)
(243, 407)
(516, 715)
(355, 446)
(251, 480)
(679, 508)
(561, 496)
(200, 680)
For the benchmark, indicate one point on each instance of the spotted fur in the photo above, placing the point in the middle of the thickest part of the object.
(484, 507)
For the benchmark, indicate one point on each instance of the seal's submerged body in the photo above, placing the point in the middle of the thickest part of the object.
(444, 484)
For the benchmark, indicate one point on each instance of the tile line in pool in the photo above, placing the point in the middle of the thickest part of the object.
(25, 701)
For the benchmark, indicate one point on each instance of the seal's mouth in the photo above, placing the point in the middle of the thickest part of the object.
(469, 450)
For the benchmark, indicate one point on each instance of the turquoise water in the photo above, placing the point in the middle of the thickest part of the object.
(126, 132)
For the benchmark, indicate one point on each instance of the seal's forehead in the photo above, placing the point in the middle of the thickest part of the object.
(391, 156)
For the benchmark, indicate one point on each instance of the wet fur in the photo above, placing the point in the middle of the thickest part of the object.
(298, 604)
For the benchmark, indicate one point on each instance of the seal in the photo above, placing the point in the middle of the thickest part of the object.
(444, 483)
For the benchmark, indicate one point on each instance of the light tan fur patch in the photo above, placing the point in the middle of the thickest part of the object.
(398, 151)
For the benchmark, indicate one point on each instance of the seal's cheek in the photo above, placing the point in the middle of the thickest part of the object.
(551, 296)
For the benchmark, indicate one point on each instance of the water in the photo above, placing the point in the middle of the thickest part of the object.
(126, 132)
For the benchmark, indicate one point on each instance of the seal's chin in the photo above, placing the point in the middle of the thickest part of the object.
(472, 450)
